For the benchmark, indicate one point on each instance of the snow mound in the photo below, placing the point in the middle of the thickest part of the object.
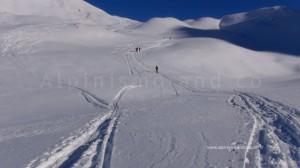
(161, 25)
(205, 23)
(273, 29)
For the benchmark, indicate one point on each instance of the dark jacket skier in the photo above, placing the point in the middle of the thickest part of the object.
(156, 69)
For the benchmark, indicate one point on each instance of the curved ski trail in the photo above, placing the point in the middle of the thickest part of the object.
(276, 131)
(92, 146)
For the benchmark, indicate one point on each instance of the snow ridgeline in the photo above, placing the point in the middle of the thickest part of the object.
(268, 29)
(72, 10)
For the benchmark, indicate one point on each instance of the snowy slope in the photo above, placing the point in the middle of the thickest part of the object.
(60, 8)
(75, 10)
(78, 95)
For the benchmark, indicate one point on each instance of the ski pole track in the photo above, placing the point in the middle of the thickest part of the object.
(276, 130)
(92, 146)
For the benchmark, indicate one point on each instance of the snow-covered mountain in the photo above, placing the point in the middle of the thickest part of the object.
(58, 8)
(74, 93)
(75, 10)
(273, 29)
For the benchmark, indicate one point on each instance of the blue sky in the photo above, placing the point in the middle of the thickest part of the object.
(184, 9)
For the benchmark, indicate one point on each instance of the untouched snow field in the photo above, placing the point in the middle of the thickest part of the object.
(75, 94)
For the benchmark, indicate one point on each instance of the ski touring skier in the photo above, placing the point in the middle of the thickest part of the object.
(138, 49)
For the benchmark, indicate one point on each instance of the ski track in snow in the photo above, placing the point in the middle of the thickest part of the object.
(276, 127)
(138, 67)
(276, 130)
(92, 146)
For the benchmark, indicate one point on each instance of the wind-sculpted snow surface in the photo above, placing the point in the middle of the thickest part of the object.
(92, 146)
(276, 131)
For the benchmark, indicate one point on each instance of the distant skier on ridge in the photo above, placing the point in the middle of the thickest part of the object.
(156, 69)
